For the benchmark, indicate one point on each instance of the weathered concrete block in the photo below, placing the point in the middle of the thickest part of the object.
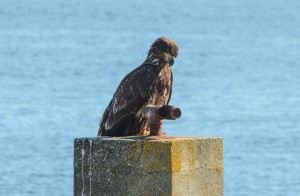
(148, 166)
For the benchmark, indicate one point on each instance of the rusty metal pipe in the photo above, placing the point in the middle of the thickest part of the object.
(156, 113)
(169, 112)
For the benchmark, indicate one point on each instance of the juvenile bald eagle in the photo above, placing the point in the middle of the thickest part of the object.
(148, 84)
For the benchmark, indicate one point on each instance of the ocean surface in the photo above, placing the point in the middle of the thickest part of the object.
(237, 76)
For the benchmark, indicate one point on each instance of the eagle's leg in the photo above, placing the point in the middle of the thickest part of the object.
(156, 127)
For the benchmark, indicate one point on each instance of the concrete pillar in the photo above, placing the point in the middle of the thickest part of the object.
(148, 166)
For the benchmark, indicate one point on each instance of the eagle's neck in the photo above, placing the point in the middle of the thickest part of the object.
(155, 59)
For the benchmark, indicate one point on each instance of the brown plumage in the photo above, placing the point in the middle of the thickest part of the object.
(148, 84)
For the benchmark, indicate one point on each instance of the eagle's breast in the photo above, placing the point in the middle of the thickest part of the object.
(161, 89)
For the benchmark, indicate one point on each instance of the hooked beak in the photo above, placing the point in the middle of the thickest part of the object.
(171, 61)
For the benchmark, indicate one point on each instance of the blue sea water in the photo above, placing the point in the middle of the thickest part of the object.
(237, 76)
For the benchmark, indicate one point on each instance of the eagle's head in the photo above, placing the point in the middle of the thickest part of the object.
(164, 49)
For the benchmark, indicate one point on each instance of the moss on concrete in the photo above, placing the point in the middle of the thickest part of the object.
(148, 166)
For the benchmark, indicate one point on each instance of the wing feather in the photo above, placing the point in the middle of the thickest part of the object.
(130, 96)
